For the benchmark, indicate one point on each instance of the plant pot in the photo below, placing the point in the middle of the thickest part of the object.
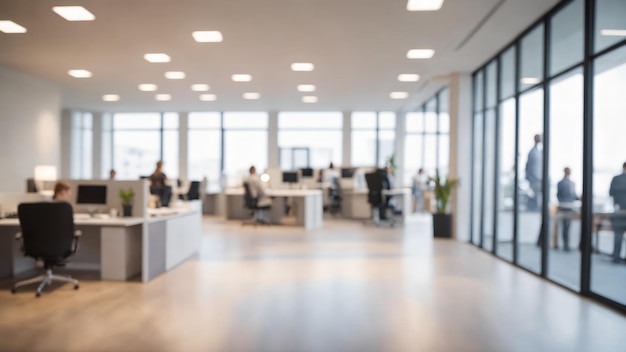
(127, 210)
(442, 225)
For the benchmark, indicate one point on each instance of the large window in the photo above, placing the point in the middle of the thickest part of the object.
(373, 138)
(245, 144)
(427, 141)
(204, 147)
(142, 139)
(82, 145)
(317, 135)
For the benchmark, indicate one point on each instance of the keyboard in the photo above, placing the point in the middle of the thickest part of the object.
(79, 216)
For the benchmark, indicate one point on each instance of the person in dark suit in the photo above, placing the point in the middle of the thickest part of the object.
(566, 194)
(618, 221)
(533, 170)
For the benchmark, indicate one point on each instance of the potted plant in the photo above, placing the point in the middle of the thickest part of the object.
(127, 201)
(442, 219)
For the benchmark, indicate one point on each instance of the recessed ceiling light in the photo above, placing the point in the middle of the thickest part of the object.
(241, 77)
(309, 99)
(251, 95)
(302, 66)
(199, 87)
(110, 97)
(148, 87)
(74, 13)
(163, 97)
(399, 95)
(157, 57)
(208, 97)
(530, 80)
(79, 73)
(11, 27)
(306, 88)
(174, 75)
(424, 5)
(420, 53)
(614, 32)
(207, 36)
(408, 77)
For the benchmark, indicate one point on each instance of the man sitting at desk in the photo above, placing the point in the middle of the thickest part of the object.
(566, 194)
(158, 184)
(62, 192)
(256, 188)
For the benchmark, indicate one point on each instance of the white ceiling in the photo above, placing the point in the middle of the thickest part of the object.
(358, 48)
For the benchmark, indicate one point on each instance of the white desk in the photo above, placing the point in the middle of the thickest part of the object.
(307, 206)
(119, 248)
(355, 206)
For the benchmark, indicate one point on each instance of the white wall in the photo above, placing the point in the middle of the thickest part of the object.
(30, 127)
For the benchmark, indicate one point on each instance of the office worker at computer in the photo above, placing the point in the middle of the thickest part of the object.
(331, 175)
(62, 192)
(257, 190)
(159, 186)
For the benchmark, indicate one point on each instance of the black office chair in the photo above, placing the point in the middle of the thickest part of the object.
(376, 183)
(47, 235)
(334, 197)
(194, 190)
(251, 204)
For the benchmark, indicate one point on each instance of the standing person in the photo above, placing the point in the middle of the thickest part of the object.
(420, 181)
(566, 195)
(62, 192)
(158, 185)
(618, 221)
(112, 174)
(534, 165)
(158, 177)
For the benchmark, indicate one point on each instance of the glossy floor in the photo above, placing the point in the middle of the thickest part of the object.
(346, 287)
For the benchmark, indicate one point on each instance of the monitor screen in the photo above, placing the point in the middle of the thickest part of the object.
(308, 172)
(91, 194)
(290, 177)
(347, 172)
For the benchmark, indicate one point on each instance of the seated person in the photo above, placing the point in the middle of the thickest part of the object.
(62, 192)
(158, 184)
(257, 191)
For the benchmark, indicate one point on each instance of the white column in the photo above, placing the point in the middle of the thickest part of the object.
(346, 159)
(399, 148)
(66, 144)
(273, 158)
(96, 155)
(183, 153)
(460, 152)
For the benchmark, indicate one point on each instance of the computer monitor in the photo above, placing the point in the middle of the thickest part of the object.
(307, 172)
(31, 186)
(347, 172)
(290, 177)
(91, 194)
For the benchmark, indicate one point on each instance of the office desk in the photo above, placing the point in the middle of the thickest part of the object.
(355, 206)
(307, 206)
(119, 248)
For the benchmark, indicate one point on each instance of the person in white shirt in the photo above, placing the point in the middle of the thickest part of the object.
(418, 188)
(331, 174)
(257, 190)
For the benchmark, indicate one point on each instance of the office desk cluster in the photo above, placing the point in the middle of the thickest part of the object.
(119, 248)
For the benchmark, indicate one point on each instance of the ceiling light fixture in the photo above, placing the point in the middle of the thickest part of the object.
(408, 77)
(306, 88)
(111, 97)
(399, 95)
(156, 57)
(240, 77)
(74, 13)
(174, 75)
(302, 66)
(208, 97)
(163, 97)
(199, 87)
(79, 73)
(251, 95)
(148, 87)
(424, 5)
(420, 53)
(207, 36)
(11, 27)
(309, 99)
(614, 32)
(530, 80)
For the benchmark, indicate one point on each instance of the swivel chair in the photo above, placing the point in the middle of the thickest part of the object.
(376, 184)
(256, 211)
(47, 235)
(334, 197)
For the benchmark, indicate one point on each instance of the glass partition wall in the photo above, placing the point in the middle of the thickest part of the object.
(549, 170)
